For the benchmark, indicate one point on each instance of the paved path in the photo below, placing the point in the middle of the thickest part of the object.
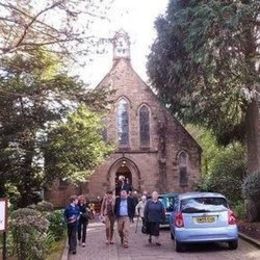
(140, 250)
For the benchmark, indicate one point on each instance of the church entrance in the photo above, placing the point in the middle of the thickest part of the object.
(126, 168)
(123, 171)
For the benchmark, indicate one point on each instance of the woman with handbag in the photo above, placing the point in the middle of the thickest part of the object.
(83, 219)
(108, 216)
(154, 214)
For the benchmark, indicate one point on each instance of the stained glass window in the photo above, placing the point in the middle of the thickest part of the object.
(183, 168)
(123, 122)
(144, 124)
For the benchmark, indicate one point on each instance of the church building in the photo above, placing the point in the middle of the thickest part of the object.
(154, 151)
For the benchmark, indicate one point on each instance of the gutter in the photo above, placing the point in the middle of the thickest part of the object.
(249, 239)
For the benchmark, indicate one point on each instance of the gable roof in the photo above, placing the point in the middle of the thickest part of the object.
(115, 63)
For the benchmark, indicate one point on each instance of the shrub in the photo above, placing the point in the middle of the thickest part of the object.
(44, 206)
(29, 227)
(240, 209)
(57, 224)
(227, 173)
(251, 186)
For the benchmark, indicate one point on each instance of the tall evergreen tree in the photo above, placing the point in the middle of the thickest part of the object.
(205, 66)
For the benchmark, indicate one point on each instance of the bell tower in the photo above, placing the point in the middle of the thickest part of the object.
(121, 45)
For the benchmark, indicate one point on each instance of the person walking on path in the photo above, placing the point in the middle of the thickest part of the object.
(124, 211)
(71, 215)
(154, 214)
(139, 209)
(107, 211)
(84, 212)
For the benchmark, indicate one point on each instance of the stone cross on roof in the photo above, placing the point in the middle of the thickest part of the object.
(121, 45)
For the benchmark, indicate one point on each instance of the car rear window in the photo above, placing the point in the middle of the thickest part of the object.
(203, 204)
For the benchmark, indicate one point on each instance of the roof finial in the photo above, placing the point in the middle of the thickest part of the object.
(121, 45)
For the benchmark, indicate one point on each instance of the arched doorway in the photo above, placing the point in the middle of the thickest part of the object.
(127, 168)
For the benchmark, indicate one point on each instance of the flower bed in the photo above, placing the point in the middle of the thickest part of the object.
(250, 229)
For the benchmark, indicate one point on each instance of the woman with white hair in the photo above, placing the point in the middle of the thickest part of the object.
(154, 214)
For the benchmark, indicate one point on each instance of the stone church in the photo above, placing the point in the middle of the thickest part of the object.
(154, 151)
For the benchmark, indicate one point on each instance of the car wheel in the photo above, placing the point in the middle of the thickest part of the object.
(172, 236)
(233, 244)
(179, 247)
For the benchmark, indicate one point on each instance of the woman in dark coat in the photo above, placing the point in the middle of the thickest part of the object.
(83, 220)
(154, 214)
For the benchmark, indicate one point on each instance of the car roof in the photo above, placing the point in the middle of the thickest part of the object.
(169, 194)
(188, 195)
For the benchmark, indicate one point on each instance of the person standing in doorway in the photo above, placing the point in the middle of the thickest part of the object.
(124, 211)
(71, 215)
(154, 214)
(83, 220)
(107, 211)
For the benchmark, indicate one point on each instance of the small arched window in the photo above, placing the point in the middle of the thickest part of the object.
(123, 122)
(183, 168)
(144, 125)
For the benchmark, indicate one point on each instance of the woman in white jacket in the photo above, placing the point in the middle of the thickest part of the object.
(139, 209)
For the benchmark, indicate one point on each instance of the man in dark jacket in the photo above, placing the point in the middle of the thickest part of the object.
(71, 215)
(124, 212)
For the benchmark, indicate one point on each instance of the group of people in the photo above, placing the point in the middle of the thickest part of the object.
(122, 209)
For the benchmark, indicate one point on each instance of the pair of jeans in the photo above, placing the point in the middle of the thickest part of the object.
(72, 235)
(82, 229)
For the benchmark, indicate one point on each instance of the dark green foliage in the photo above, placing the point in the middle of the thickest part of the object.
(74, 148)
(205, 55)
(36, 95)
(223, 168)
(227, 173)
(239, 209)
(57, 225)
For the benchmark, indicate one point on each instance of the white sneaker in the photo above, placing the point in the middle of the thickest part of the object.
(83, 244)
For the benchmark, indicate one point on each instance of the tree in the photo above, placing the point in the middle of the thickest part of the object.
(35, 93)
(204, 65)
(75, 147)
(223, 168)
(26, 25)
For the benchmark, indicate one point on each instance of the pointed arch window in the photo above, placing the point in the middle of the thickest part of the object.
(123, 122)
(144, 125)
(183, 168)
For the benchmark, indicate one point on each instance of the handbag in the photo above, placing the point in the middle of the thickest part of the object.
(145, 228)
(102, 219)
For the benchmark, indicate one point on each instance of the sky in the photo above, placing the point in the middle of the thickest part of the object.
(136, 17)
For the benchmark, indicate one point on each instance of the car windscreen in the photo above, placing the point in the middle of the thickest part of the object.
(203, 204)
(167, 202)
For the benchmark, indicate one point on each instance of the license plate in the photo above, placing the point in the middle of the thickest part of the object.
(205, 219)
